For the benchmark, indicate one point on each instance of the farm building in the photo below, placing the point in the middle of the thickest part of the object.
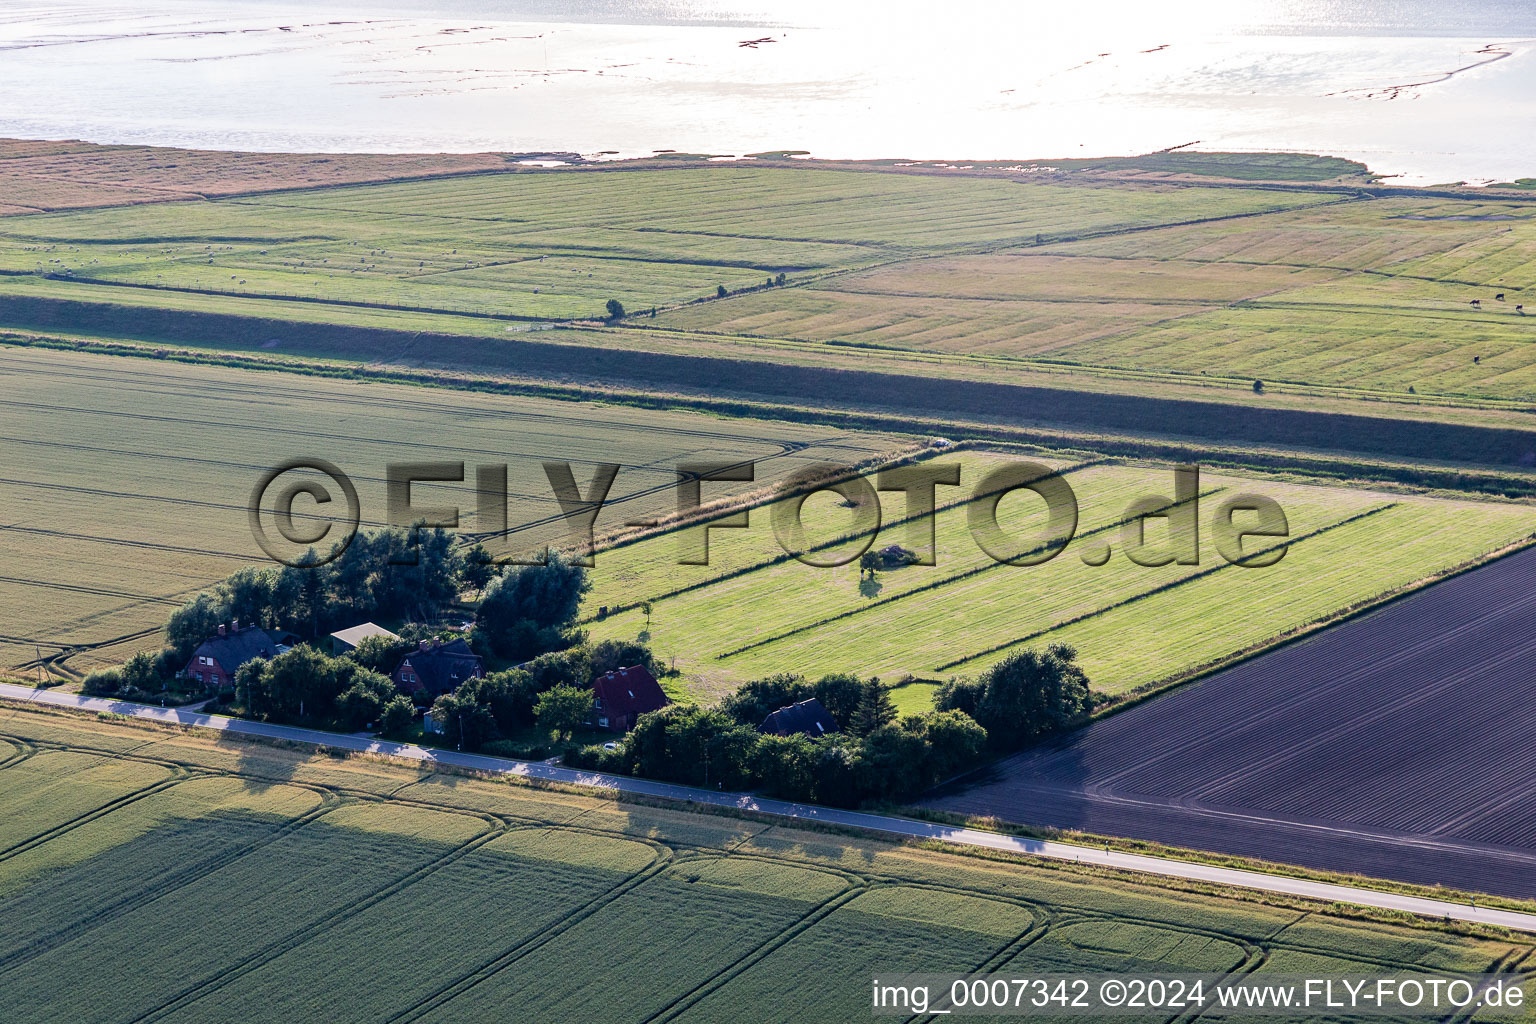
(806, 716)
(218, 658)
(622, 696)
(436, 668)
(344, 640)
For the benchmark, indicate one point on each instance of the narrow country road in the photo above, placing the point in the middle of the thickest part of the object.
(904, 827)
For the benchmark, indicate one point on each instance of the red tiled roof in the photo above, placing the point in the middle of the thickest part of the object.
(629, 691)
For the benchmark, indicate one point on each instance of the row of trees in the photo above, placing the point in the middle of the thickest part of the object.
(876, 756)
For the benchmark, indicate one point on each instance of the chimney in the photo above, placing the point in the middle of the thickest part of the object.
(426, 645)
(234, 625)
(221, 629)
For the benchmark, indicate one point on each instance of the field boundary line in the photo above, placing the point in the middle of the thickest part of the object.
(937, 584)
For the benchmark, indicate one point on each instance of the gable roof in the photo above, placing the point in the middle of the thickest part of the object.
(354, 635)
(806, 716)
(234, 649)
(629, 691)
(441, 667)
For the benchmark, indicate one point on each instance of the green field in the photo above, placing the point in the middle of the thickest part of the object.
(1137, 278)
(128, 481)
(558, 246)
(753, 612)
(369, 892)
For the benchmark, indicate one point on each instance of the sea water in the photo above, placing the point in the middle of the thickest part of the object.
(1424, 90)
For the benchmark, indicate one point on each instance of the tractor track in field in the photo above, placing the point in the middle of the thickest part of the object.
(164, 884)
(293, 939)
(465, 982)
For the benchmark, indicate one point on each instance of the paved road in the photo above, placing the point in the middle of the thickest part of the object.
(904, 827)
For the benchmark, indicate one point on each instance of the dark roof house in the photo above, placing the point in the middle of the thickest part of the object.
(218, 658)
(622, 696)
(806, 716)
(435, 668)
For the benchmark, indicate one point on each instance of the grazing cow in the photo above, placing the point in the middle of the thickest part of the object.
(1500, 296)
(1477, 359)
(1478, 303)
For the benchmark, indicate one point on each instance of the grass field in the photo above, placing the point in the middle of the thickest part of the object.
(368, 892)
(1129, 277)
(558, 246)
(128, 482)
(753, 611)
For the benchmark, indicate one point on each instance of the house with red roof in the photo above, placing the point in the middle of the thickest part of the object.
(620, 697)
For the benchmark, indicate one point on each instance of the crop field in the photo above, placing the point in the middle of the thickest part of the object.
(753, 611)
(1395, 745)
(128, 481)
(558, 246)
(1119, 284)
(373, 892)
(1000, 304)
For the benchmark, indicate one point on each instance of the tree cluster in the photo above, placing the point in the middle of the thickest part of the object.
(381, 575)
(1023, 697)
(531, 609)
(304, 686)
(877, 756)
(553, 690)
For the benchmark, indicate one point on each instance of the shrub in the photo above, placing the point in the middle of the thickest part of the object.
(396, 716)
(517, 751)
(104, 682)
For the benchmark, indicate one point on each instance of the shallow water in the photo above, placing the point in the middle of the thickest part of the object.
(1429, 91)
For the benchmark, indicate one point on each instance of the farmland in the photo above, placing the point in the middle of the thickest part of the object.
(754, 611)
(1119, 289)
(1117, 295)
(128, 481)
(557, 246)
(369, 892)
(1395, 745)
